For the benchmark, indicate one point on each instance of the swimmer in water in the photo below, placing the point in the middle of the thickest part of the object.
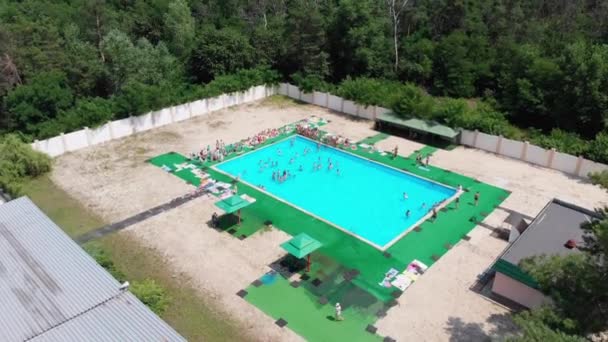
(301, 168)
(405, 195)
(338, 172)
(330, 166)
(407, 213)
(291, 161)
(423, 205)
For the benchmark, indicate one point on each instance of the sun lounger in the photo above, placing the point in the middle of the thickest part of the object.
(401, 282)
(421, 266)
(364, 145)
(412, 276)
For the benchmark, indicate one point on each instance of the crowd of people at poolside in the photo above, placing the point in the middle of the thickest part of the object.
(221, 150)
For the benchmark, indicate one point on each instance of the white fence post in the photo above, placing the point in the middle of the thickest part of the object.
(111, 130)
(172, 114)
(475, 138)
(550, 158)
(579, 165)
(87, 133)
(63, 143)
(499, 144)
(341, 105)
(524, 151)
(132, 123)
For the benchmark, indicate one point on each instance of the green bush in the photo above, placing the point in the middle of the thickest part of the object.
(562, 141)
(151, 294)
(104, 260)
(310, 83)
(18, 161)
(600, 178)
(371, 91)
(598, 149)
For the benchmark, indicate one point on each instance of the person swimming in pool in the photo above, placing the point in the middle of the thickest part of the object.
(423, 205)
(405, 196)
(291, 161)
(330, 166)
(301, 168)
(338, 172)
(407, 213)
(279, 152)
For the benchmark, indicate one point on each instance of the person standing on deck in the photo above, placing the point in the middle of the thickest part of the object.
(395, 151)
(476, 198)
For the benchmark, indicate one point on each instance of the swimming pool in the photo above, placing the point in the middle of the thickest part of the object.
(359, 196)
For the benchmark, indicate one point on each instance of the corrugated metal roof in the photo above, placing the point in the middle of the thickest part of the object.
(123, 318)
(557, 223)
(46, 280)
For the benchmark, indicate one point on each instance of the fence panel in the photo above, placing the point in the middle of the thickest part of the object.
(537, 155)
(486, 142)
(198, 107)
(121, 128)
(100, 134)
(564, 162)
(143, 122)
(335, 103)
(382, 110)
(306, 97)
(230, 100)
(76, 140)
(259, 93)
(283, 89)
(162, 117)
(511, 148)
(467, 137)
(293, 91)
(215, 103)
(590, 167)
(367, 112)
(320, 99)
(349, 107)
(181, 112)
(53, 146)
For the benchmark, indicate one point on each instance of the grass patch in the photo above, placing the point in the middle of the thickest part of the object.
(74, 218)
(280, 101)
(187, 312)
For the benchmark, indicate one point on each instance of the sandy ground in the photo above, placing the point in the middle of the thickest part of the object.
(114, 180)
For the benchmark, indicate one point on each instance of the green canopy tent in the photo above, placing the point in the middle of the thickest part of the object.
(232, 204)
(300, 246)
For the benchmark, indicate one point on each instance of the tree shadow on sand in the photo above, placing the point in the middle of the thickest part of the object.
(496, 327)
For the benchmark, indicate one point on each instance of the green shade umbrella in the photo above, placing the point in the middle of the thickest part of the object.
(232, 204)
(300, 246)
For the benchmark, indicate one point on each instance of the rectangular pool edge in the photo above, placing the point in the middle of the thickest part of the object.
(381, 248)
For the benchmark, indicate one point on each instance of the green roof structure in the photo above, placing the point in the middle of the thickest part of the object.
(232, 204)
(419, 125)
(300, 246)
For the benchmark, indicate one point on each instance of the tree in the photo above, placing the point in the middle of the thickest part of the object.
(395, 10)
(306, 35)
(357, 42)
(179, 28)
(220, 52)
(40, 100)
(141, 62)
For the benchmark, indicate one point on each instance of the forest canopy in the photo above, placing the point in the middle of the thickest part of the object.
(525, 69)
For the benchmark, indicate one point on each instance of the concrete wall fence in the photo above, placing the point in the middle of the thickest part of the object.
(549, 158)
(121, 128)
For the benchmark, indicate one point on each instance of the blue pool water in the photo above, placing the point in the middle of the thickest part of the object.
(365, 198)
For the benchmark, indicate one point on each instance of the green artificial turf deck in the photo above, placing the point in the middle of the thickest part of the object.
(299, 306)
(374, 139)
